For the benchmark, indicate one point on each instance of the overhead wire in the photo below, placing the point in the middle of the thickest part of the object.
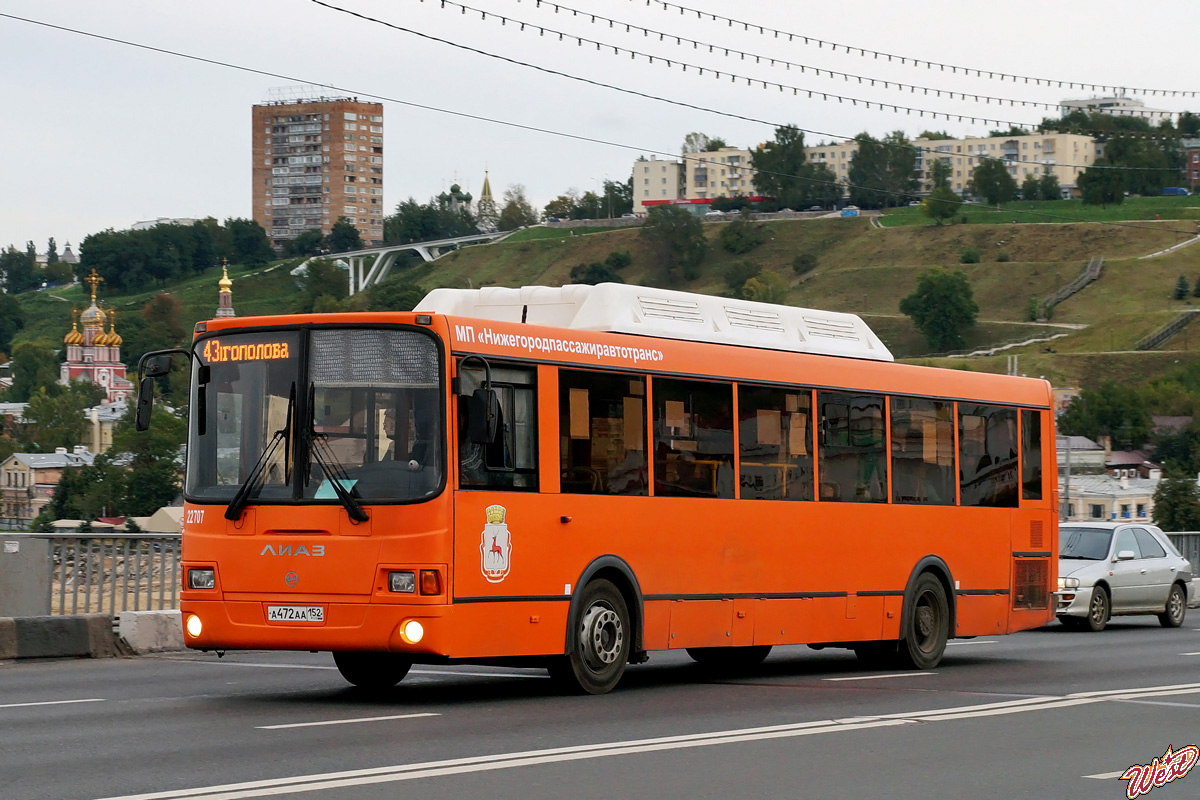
(506, 123)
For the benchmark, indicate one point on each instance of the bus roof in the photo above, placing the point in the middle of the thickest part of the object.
(666, 314)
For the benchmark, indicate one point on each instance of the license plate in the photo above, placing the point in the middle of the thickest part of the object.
(295, 613)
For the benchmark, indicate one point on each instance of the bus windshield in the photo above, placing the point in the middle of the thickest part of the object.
(363, 408)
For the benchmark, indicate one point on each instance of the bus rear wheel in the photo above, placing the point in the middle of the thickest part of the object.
(372, 670)
(599, 649)
(729, 659)
(927, 626)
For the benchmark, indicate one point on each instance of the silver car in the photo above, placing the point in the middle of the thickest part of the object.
(1110, 568)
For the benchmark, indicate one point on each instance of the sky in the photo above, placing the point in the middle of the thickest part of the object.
(98, 134)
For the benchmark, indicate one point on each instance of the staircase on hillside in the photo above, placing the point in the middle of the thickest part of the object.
(1167, 331)
(1089, 274)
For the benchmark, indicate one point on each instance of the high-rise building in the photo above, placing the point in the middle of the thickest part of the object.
(317, 159)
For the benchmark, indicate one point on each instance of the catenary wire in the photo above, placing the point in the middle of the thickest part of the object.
(518, 125)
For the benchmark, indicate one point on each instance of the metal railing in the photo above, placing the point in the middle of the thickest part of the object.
(1090, 273)
(1167, 331)
(1188, 545)
(111, 573)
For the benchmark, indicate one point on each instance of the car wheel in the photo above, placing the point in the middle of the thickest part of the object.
(1098, 610)
(373, 671)
(1172, 617)
(600, 649)
(927, 626)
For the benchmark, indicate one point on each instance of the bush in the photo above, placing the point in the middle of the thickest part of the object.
(962, 220)
(969, 255)
(742, 235)
(1003, 256)
(738, 273)
(1031, 310)
(593, 274)
(805, 262)
(618, 259)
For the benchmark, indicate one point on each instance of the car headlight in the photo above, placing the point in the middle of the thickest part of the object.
(1068, 583)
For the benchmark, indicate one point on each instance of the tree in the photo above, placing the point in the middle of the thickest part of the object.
(618, 197)
(437, 219)
(766, 287)
(593, 274)
(250, 243)
(308, 242)
(1048, 187)
(676, 237)
(516, 212)
(993, 182)
(939, 173)
(742, 235)
(12, 319)
(17, 271)
(562, 207)
(943, 307)
(51, 251)
(881, 171)
(716, 143)
(394, 295)
(1031, 188)
(34, 364)
(942, 204)
(695, 142)
(321, 283)
(344, 237)
(781, 171)
(55, 419)
(1100, 186)
(1177, 501)
(154, 457)
(1111, 409)
(1181, 288)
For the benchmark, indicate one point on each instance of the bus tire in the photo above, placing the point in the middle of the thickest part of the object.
(729, 659)
(927, 625)
(599, 650)
(372, 670)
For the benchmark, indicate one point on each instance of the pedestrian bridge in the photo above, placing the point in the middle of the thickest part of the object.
(381, 259)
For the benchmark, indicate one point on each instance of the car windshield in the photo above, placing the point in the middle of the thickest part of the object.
(1090, 544)
(372, 416)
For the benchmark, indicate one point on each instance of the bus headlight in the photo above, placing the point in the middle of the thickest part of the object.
(1068, 583)
(202, 578)
(194, 626)
(412, 632)
(402, 582)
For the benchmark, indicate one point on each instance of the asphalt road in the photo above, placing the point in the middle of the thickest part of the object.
(1046, 714)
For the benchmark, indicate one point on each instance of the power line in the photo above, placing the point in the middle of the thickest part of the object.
(730, 52)
(520, 126)
(916, 62)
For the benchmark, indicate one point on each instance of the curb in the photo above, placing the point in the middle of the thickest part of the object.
(151, 631)
(77, 635)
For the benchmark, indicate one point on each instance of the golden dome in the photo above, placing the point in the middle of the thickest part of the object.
(225, 284)
(73, 336)
(113, 338)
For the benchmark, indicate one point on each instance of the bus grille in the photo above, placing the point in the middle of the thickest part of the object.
(1030, 584)
(1036, 537)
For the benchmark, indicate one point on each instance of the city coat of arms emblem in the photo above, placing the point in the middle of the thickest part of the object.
(495, 546)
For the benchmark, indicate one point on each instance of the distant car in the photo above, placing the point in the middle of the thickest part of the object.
(714, 214)
(850, 208)
(629, 216)
(815, 208)
(914, 202)
(1108, 569)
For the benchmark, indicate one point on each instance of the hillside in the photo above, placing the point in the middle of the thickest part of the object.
(860, 268)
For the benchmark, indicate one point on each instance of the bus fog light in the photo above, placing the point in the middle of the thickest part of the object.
(193, 625)
(402, 582)
(412, 632)
(202, 579)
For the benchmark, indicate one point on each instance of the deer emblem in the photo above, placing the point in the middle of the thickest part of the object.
(495, 546)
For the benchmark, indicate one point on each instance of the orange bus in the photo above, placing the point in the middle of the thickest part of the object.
(577, 476)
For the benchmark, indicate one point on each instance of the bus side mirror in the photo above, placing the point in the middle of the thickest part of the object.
(145, 402)
(482, 416)
(156, 367)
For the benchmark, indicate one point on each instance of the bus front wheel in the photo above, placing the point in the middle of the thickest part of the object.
(599, 649)
(927, 626)
(372, 670)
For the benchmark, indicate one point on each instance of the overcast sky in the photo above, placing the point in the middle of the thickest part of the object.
(99, 135)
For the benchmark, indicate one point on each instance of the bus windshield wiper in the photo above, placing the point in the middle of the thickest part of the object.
(253, 481)
(334, 472)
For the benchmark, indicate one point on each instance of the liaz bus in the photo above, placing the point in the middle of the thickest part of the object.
(577, 476)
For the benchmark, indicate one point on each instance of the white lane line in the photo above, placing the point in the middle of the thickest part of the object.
(406, 772)
(1104, 776)
(1189, 654)
(341, 721)
(1161, 703)
(971, 641)
(53, 703)
(876, 677)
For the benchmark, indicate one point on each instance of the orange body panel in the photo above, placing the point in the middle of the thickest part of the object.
(711, 572)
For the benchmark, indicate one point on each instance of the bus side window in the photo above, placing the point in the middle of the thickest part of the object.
(987, 456)
(510, 462)
(775, 443)
(922, 451)
(602, 433)
(1031, 454)
(852, 462)
(693, 439)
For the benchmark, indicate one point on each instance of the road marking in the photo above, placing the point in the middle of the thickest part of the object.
(1161, 703)
(341, 721)
(972, 641)
(1104, 776)
(1189, 654)
(886, 675)
(460, 766)
(53, 703)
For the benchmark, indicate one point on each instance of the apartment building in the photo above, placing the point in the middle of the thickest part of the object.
(1191, 160)
(315, 160)
(1066, 155)
(655, 180)
(1116, 106)
(27, 482)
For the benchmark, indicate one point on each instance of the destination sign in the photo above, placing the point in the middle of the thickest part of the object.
(214, 352)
